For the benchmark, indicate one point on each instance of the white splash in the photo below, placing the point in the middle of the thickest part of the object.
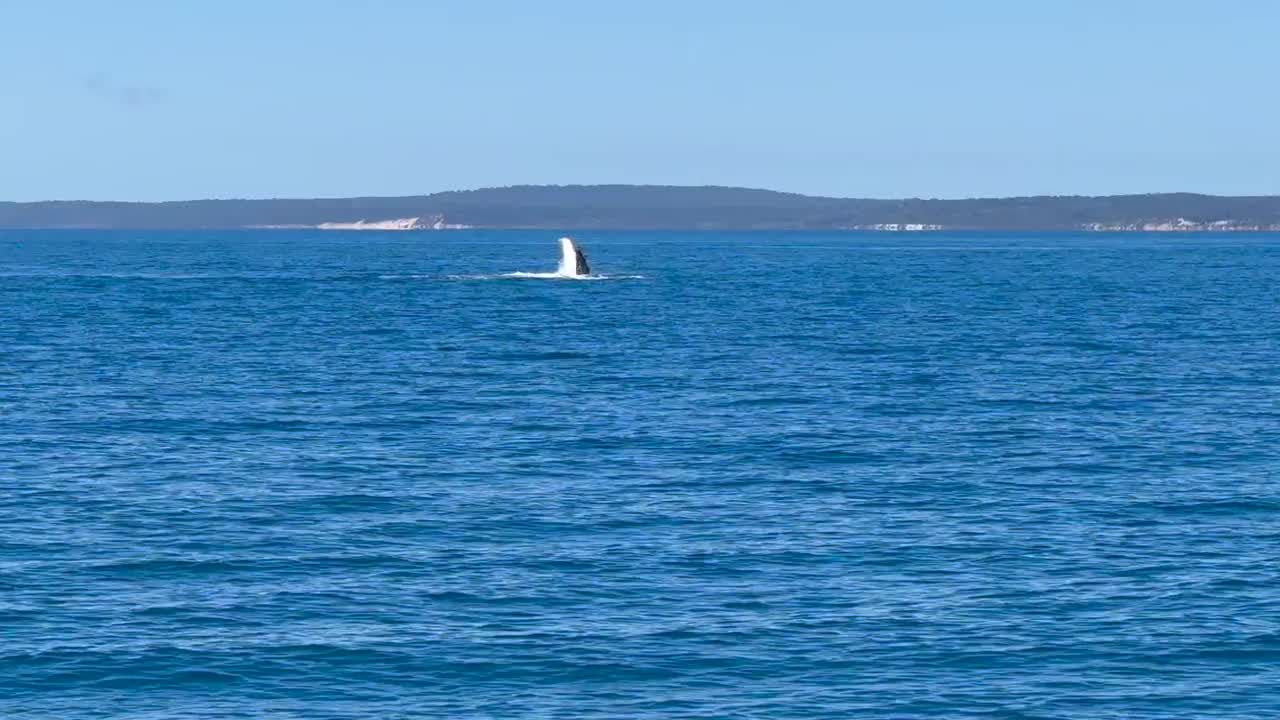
(533, 276)
(573, 264)
(557, 275)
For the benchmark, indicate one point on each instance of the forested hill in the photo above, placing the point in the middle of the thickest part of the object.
(650, 206)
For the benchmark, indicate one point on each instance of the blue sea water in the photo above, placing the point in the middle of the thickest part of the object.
(308, 475)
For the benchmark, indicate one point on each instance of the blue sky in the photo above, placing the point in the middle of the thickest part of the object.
(153, 100)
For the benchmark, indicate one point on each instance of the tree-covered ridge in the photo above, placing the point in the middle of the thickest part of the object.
(654, 206)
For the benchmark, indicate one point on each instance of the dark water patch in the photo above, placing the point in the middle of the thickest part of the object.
(344, 503)
(547, 355)
(771, 401)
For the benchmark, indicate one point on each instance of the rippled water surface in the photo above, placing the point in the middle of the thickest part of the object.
(348, 475)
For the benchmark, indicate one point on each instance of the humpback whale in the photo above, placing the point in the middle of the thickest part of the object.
(572, 262)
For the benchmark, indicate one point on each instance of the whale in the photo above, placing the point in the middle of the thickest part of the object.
(572, 262)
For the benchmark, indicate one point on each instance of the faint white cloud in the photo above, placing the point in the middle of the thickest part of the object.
(127, 94)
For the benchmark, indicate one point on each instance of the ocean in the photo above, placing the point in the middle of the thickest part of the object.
(306, 475)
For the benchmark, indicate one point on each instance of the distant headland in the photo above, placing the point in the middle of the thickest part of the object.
(622, 207)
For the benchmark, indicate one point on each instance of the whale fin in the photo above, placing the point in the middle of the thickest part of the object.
(572, 262)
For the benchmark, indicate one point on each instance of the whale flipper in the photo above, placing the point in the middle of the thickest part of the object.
(572, 262)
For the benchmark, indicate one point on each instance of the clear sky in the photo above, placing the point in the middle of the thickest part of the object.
(167, 99)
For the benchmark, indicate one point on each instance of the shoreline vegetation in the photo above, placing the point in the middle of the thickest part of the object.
(656, 207)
